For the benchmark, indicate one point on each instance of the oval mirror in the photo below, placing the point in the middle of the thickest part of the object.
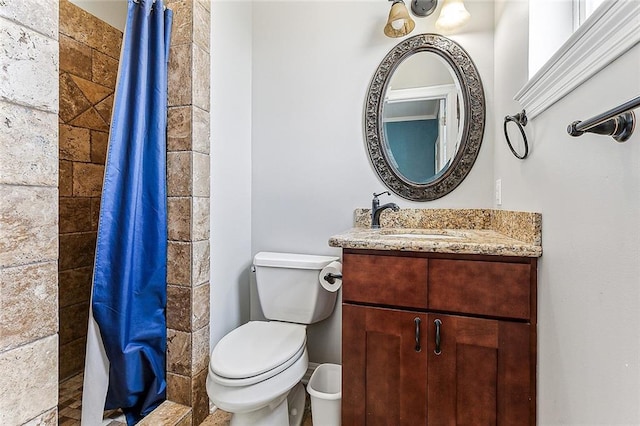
(424, 117)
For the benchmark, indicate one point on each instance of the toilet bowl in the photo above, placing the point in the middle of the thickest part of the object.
(255, 370)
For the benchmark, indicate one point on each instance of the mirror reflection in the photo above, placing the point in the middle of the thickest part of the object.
(421, 117)
(424, 117)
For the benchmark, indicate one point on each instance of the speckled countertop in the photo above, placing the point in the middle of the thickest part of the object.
(460, 231)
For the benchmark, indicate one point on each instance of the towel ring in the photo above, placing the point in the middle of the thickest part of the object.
(521, 120)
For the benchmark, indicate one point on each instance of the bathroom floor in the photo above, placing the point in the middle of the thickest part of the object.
(70, 405)
(222, 418)
(70, 408)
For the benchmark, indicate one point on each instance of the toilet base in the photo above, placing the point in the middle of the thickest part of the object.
(285, 411)
(295, 401)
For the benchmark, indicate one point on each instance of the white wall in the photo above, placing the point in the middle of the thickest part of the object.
(312, 63)
(113, 12)
(588, 190)
(230, 165)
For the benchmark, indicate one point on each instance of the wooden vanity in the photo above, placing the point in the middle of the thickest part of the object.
(433, 337)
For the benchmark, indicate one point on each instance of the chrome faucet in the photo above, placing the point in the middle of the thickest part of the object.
(376, 209)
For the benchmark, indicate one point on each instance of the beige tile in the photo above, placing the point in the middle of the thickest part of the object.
(201, 173)
(92, 91)
(49, 418)
(73, 322)
(72, 357)
(180, 75)
(201, 218)
(201, 77)
(75, 58)
(201, 130)
(179, 388)
(29, 225)
(168, 414)
(28, 64)
(99, 145)
(74, 214)
(201, 25)
(28, 306)
(72, 100)
(179, 128)
(105, 108)
(206, 4)
(200, 262)
(86, 28)
(28, 146)
(200, 306)
(182, 21)
(186, 421)
(179, 351)
(39, 15)
(200, 350)
(179, 308)
(179, 174)
(104, 69)
(200, 405)
(91, 119)
(218, 418)
(29, 384)
(75, 286)
(75, 143)
(65, 183)
(179, 218)
(87, 179)
(179, 263)
(95, 213)
(77, 250)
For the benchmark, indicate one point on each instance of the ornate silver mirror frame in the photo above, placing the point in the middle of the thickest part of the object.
(472, 101)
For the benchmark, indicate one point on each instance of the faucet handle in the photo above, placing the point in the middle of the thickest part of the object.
(383, 192)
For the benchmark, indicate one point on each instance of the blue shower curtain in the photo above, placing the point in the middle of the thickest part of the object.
(129, 284)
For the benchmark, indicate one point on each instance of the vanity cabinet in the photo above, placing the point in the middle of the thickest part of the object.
(438, 339)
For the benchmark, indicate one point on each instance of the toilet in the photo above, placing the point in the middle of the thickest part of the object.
(255, 370)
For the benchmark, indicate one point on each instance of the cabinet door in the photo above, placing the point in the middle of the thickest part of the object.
(482, 374)
(384, 377)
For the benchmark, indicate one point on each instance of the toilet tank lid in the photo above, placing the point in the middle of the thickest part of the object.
(292, 260)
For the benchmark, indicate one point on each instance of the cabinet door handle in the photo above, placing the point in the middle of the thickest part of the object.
(417, 322)
(438, 324)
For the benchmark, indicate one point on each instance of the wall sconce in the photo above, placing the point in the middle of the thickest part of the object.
(453, 15)
(399, 23)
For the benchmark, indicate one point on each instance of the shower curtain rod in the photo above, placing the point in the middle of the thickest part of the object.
(618, 122)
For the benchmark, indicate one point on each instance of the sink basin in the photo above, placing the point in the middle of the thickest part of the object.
(420, 234)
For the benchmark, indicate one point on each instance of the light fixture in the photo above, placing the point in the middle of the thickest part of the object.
(423, 8)
(399, 23)
(453, 15)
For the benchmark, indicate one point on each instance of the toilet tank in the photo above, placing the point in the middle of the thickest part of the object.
(289, 289)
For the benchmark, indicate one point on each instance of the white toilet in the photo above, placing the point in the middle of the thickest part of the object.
(255, 370)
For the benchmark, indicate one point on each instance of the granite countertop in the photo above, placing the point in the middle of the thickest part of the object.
(459, 231)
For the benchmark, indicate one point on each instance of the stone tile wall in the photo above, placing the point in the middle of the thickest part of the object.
(89, 54)
(29, 99)
(28, 212)
(188, 207)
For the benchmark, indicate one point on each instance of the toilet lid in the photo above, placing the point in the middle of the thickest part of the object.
(257, 347)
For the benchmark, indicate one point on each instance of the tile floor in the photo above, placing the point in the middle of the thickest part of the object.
(70, 408)
(70, 405)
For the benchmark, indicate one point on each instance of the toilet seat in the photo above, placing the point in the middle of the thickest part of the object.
(256, 351)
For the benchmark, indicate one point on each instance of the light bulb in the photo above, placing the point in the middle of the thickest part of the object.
(397, 24)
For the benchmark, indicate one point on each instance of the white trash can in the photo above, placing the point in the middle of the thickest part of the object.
(325, 388)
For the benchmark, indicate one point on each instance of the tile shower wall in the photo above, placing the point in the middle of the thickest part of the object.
(188, 206)
(28, 211)
(89, 53)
